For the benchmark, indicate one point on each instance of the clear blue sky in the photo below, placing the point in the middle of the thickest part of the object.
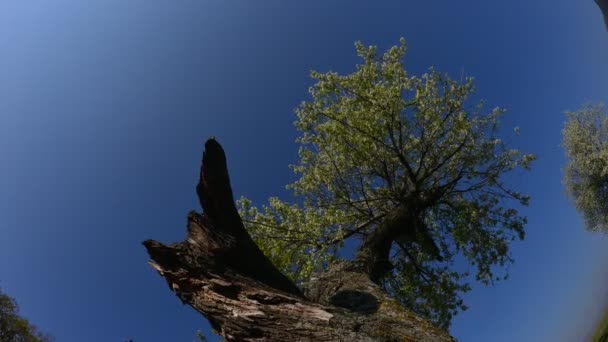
(105, 105)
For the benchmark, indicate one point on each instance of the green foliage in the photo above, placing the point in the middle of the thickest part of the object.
(379, 138)
(601, 331)
(14, 328)
(201, 337)
(586, 143)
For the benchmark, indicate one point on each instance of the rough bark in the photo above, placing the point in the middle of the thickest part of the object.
(221, 273)
(402, 224)
(373, 255)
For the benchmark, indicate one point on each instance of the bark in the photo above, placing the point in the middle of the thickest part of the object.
(221, 273)
(373, 255)
(402, 224)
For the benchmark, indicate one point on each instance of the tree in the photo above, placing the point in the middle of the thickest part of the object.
(585, 140)
(397, 163)
(14, 328)
(222, 273)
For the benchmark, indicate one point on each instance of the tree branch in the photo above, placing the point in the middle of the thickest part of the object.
(222, 274)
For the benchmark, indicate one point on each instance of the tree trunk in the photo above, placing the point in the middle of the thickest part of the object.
(221, 273)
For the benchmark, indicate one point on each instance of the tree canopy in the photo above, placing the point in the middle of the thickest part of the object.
(402, 166)
(585, 140)
(14, 328)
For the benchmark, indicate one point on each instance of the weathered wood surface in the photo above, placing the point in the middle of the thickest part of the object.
(221, 273)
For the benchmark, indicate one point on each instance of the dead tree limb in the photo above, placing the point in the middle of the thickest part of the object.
(221, 273)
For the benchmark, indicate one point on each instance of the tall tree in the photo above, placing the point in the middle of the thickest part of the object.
(585, 140)
(14, 328)
(400, 162)
(397, 163)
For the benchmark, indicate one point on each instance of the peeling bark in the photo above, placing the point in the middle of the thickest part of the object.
(221, 273)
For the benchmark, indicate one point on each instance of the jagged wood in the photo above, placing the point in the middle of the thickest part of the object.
(221, 273)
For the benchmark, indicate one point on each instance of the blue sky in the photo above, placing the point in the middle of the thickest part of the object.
(105, 105)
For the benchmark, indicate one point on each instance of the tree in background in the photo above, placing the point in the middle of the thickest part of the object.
(402, 164)
(14, 328)
(585, 139)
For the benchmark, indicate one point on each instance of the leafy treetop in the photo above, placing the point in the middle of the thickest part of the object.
(585, 139)
(14, 328)
(378, 142)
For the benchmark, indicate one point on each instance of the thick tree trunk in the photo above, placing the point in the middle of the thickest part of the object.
(222, 274)
(403, 224)
(373, 255)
